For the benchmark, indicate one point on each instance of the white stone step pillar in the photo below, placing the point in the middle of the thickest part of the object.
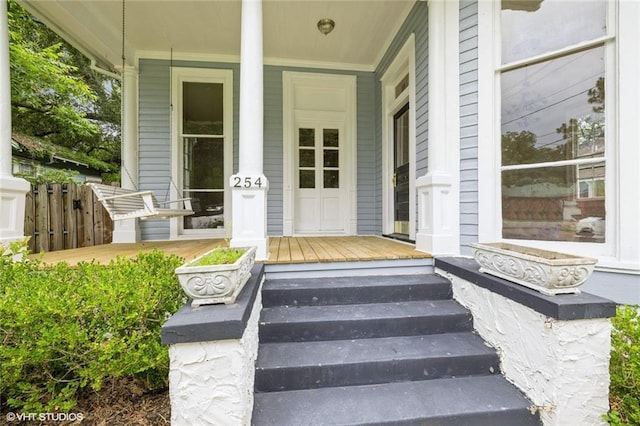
(128, 230)
(249, 186)
(12, 189)
(438, 190)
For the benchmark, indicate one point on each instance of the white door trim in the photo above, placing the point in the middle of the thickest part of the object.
(293, 107)
(203, 75)
(403, 64)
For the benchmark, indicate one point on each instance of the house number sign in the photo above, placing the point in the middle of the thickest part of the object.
(248, 181)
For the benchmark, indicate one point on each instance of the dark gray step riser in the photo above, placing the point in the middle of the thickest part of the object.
(517, 417)
(364, 328)
(356, 294)
(473, 400)
(313, 377)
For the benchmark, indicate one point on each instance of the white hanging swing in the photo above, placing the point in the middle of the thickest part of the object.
(122, 203)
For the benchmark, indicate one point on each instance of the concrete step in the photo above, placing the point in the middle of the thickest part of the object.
(307, 365)
(359, 321)
(351, 290)
(472, 401)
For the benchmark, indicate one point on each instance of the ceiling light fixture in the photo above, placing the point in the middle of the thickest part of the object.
(325, 25)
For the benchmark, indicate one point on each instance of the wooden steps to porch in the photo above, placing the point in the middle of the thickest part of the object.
(376, 350)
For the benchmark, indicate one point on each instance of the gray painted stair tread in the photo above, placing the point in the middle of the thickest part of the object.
(359, 281)
(337, 352)
(368, 311)
(477, 401)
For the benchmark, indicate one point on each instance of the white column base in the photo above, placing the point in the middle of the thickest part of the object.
(13, 191)
(249, 216)
(126, 231)
(436, 206)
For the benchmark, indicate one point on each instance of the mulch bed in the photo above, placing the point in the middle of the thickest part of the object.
(120, 402)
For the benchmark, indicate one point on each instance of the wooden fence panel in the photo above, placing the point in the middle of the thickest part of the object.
(56, 217)
(64, 216)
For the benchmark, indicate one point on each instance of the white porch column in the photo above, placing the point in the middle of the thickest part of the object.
(438, 190)
(249, 185)
(12, 189)
(128, 231)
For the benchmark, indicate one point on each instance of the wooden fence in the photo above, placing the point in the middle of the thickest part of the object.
(64, 216)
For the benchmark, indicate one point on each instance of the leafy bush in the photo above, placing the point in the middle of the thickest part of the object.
(65, 328)
(624, 393)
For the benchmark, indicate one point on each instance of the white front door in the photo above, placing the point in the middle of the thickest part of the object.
(319, 193)
(319, 154)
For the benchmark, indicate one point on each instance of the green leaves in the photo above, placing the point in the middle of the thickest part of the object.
(624, 391)
(56, 95)
(64, 328)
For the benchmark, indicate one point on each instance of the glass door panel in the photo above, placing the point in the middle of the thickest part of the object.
(202, 129)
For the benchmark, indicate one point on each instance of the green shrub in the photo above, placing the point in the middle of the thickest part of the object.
(624, 392)
(65, 328)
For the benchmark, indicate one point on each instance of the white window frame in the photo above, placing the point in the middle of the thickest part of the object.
(621, 251)
(200, 75)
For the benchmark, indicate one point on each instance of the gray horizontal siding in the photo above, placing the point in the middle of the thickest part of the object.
(468, 45)
(273, 153)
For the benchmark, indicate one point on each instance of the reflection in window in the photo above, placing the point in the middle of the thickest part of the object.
(549, 203)
(307, 137)
(202, 105)
(307, 179)
(203, 181)
(331, 179)
(553, 121)
(531, 28)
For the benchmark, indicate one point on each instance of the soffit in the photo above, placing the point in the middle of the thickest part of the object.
(363, 29)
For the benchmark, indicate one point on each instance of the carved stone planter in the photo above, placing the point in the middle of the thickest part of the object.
(548, 272)
(211, 284)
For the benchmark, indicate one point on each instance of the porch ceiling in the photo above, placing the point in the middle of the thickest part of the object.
(210, 29)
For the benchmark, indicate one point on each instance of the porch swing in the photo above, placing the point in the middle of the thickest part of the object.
(123, 203)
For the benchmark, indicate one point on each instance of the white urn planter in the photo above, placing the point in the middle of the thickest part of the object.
(546, 271)
(212, 284)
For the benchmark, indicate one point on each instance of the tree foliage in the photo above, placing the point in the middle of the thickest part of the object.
(56, 96)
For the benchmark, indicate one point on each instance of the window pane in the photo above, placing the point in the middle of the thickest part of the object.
(533, 27)
(208, 209)
(203, 163)
(202, 109)
(307, 179)
(331, 158)
(547, 204)
(307, 158)
(330, 137)
(554, 110)
(401, 138)
(331, 179)
(306, 137)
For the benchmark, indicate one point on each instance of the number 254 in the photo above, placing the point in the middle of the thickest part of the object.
(247, 182)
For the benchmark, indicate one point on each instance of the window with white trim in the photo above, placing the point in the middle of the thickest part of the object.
(553, 77)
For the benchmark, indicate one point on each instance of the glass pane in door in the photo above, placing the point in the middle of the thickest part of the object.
(204, 181)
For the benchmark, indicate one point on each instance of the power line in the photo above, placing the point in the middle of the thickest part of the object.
(546, 107)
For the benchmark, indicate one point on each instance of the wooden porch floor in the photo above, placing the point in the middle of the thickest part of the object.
(285, 250)
(282, 250)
